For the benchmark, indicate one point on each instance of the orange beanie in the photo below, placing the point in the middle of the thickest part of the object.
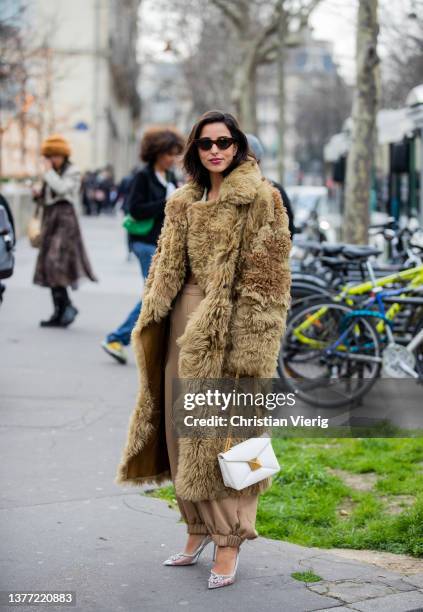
(55, 145)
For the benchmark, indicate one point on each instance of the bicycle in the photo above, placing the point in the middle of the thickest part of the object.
(335, 344)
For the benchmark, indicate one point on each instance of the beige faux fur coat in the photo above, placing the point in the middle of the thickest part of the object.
(236, 328)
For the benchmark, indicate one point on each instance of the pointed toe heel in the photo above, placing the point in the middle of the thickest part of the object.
(188, 559)
(220, 580)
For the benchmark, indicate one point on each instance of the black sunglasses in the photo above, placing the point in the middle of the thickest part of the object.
(223, 142)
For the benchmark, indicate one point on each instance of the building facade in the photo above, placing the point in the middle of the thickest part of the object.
(82, 83)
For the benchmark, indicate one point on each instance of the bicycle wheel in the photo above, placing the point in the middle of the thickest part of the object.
(297, 306)
(418, 351)
(329, 356)
(301, 290)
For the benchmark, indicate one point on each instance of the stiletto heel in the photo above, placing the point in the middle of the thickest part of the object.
(221, 580)
(214, 552)
(188, 559)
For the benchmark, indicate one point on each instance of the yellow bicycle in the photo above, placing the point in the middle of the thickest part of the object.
(334, 349)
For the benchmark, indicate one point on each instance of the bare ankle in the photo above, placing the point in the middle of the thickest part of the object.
(194, 540)
(227, 551)
(225, 558)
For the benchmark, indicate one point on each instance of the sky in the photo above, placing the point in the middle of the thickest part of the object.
(335, 20)
(332, 20)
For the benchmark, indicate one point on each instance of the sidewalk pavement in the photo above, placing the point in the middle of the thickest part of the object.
(65, 525)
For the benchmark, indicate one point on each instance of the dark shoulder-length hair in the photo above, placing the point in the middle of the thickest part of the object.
(191, 160)
(158, 140)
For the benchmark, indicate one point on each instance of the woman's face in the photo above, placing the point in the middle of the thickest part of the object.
(166, 160)
(216, 160)
(57, 161)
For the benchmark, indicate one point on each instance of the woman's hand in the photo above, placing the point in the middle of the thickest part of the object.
(47, 164)
(36, 190)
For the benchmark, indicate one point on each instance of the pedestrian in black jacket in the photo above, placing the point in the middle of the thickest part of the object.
(150, 188)
(147, 198)
(124, 189)
(122, 197)
(257, 148)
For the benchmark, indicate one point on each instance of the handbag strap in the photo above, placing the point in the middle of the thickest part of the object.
(228, 442)
(229, 438)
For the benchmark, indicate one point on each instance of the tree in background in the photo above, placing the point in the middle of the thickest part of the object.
(322, 108)
(200, 39)
(402, 66)
(221, 43)
(208, 71)
(265, 31)
(363, 138)
(27, 74)
(13, 77)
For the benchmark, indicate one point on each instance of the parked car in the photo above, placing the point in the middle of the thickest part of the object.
(7, 243)
(314, 215)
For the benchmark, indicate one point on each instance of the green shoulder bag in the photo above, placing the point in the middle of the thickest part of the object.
(138, 228)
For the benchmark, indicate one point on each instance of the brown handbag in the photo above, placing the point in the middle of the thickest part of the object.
(34, 228)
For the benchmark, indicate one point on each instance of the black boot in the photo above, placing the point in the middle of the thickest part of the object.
(54, 320)
(68, 315)
(68, 311)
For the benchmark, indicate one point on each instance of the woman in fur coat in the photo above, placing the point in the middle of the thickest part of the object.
(62, 258)
(214, 306)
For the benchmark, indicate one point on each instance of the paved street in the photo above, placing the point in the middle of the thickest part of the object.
(65, 525)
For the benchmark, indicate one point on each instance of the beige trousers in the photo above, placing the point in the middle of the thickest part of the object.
(230, 520)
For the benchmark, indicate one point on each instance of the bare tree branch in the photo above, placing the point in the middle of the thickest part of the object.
(303, 14)
(233, 13)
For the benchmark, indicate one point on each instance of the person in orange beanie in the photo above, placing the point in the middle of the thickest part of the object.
(62, 258)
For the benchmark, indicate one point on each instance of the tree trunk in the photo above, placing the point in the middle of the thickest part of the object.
(246, 105)
(361, 154)
(243, 92)
(281, 59)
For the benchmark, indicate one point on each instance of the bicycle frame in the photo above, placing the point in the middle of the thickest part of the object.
(416, 341)
(413, 275)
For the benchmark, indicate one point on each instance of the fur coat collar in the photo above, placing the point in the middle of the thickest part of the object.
(238, 248)
(238, 188)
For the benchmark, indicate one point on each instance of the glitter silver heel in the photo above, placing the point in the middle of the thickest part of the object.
(188, 559)
(221, 580)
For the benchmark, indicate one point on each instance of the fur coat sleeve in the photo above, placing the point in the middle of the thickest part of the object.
(262, 291)
(167, 269)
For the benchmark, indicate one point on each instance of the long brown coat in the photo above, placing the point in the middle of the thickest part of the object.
(236, 328)
(62, 258)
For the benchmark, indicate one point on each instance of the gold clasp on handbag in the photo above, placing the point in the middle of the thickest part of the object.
(255, 464)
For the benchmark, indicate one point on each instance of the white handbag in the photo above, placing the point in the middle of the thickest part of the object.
(248, 462)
